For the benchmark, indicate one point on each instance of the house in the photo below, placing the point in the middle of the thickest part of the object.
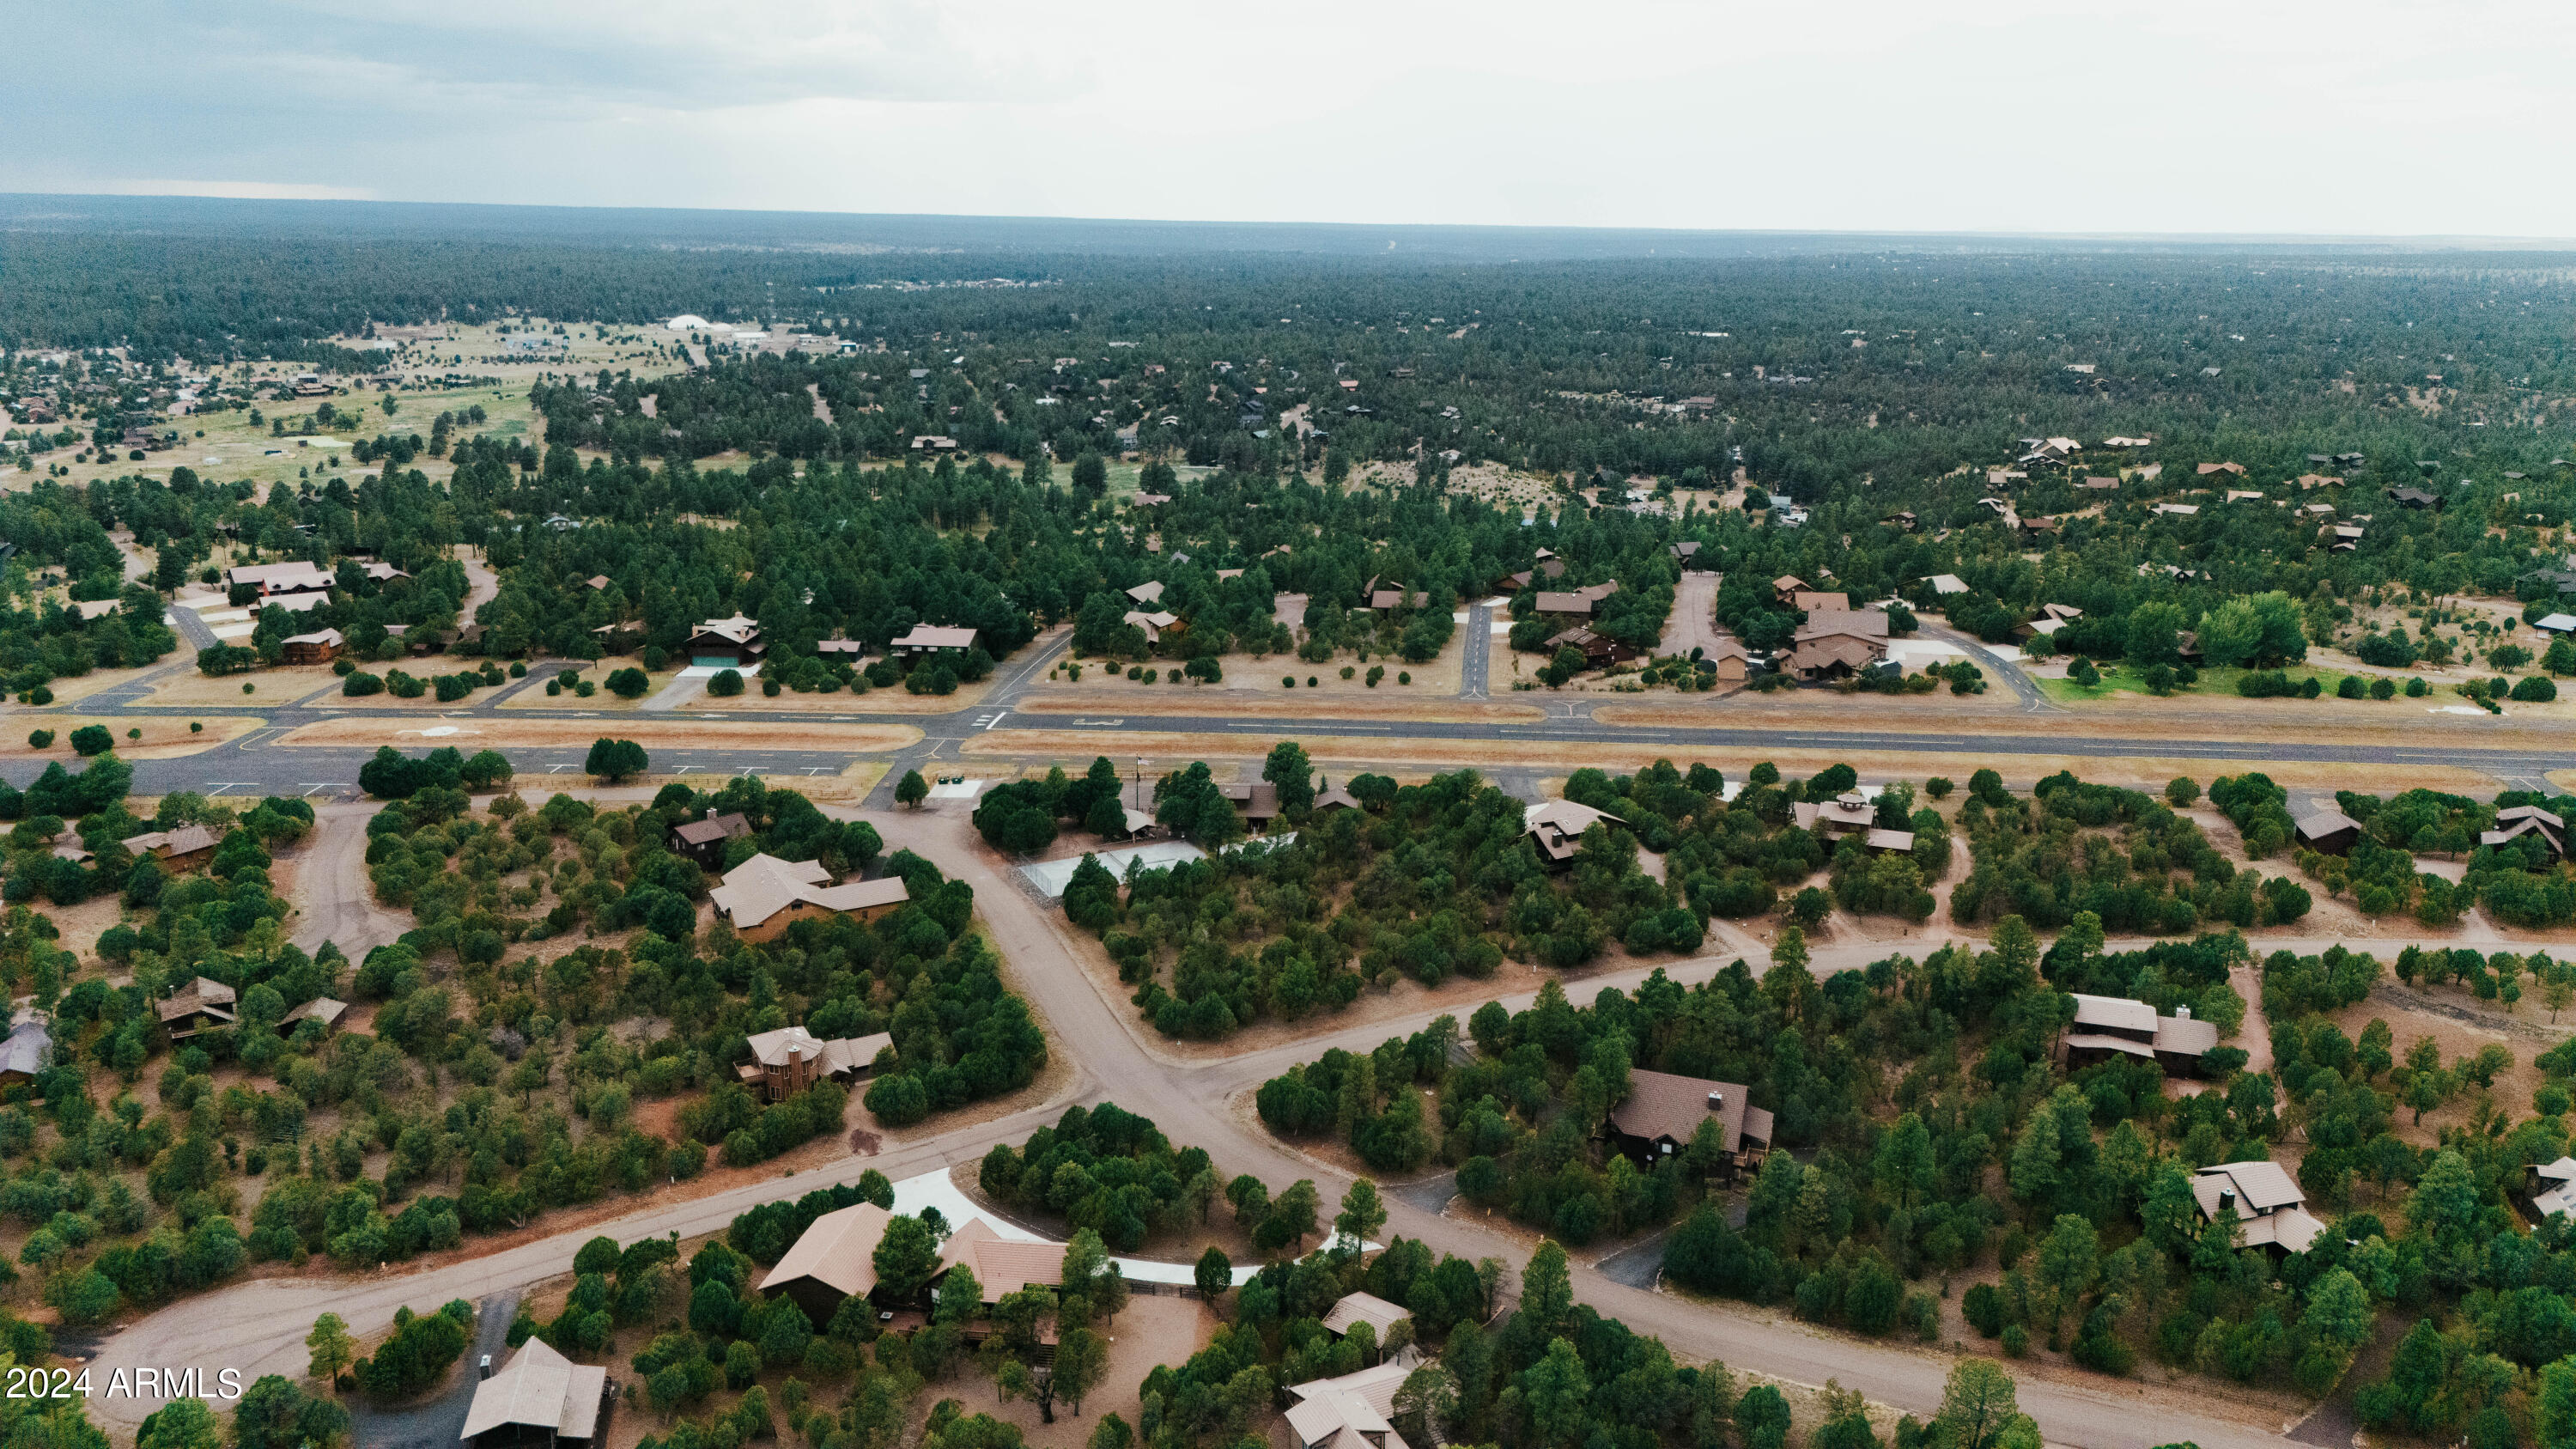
(321, 1008)
(2527, 820)
(1155, 625)
(933, 443)
(1734, 661)
(2178, 510)
(596, 583)
(27, 1052)
(1556, 827)
(1836, 642)
(1257, 801)
(185, 848)
(2308, 481)
(316, 648)
(1334, 797)
(837, 647)
(1786, 587)
(2127, 442)
(2105, 1025)
(725, 643)
(1851, 813)
(1383, 594)
(2099, 485)
(1552, 567)
(2263, 1199)
(2415, 498)
(1686, 553)
(1350, 1412)
(704, 840)
(787, 1061)
(1580, 603)
(2557, 623)
(196, 1007)
(1811, 600)
(1663, 1112)
(383, 573)
(1150, 592)
(1354, 1309)
(764, 895)
(540, 1400)
(2550, 1185)
(1600, 651)
(1946, 584)
(2329, 832)
(2039, 529)
(832, 1260)
(2340, 537)
(1904, 521)
(296, 577)
(1149, 500)
(2237, 469)
(1001, 1266)
(929, 639)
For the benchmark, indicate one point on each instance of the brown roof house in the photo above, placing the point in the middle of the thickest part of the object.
(200, 1005)
(929, 639)
(2527, 820)
(1556, 827)
(2109, 1025)
(2266, 1203)
(833, 1259)
(1001, 1265)
(316, 648)
(1837, 642)
(540, 1400)
(296, 577)
(704, 840)
(764, 895)
(2329, 832)
(1786, 587)
(1350, 1412)
(321, 1008)
(1811, 600)
(185, 848)
(1663, 1113)
(727, 643)
(1600, 651)
(787, 1061)
(1850, 813)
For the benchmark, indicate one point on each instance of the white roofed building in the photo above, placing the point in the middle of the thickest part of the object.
(540, 1398)
(2266, 1203)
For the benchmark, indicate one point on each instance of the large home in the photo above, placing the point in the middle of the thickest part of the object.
(2109, 1025)
(1836, 642)
(1001, 1266)
(1850, 813)
(1600, 651)
(930, 639)
(1382, 595)
(1556, 828)
(703, 840)
(296, 577)
(2552, 1187)
(1685, 553)
(200, 1005)
(1580, 603)
(833, 1259)
(2415, 498)
(726, 643)
(1150, 592)
(1946, 584)
(2264, 1200)
(1663, 1112)
(185, 848)
(1808, 601)
(2329, 832)
(1734, 662)
(787, 1061)
(539, 1400)
(2052, 617)
(320, 647)
(1548, 566)
(2527, 820)
(1350, 1412)
(28, 1051)
(764, 895)
(1786, 587)
(1354, 1309)
(1155, 625)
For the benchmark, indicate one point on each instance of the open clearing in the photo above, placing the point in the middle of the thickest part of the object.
(162, 739)
(653, 733)
(283, 685)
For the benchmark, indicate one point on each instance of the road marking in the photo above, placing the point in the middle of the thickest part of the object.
(325, 785)
(1100, 722)
(989, 723)
(557, 769)
(229, 785)
(684, 769)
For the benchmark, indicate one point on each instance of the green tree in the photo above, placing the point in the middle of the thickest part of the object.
(1289, 770)
(1976, 1404)
(911, 790)
(906, 1259)
(333, 1349)
(1081, 1361)
(181, 1424)
(1362, 1214)
(616, 760)
(1557, 1390)
(1213, 1274)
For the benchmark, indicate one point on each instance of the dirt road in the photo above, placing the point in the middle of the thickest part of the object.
(259, 1327)
(335, 900)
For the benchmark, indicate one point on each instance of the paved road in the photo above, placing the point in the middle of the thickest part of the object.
(1693, 622)
(259, 1327)
(2015, 678)
(1476, 659)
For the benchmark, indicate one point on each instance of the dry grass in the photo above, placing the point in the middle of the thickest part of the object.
(535, 696)
(876, 701)
(1279, 704)
(652, 732)
(162, 738)
(282, 685)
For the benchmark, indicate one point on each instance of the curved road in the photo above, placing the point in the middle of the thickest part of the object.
(259, 1327)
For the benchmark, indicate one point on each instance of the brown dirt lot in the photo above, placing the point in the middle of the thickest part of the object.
(1152, 1331)
(493, 730)
(1279, 704)
(282, 685)
(163, 738)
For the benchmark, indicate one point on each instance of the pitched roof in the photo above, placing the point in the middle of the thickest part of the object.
(1147, 593)
(738, 629)
(205, 995)
(712, 829)
(2114, 1012)
(838, 1250)
(1357, 1308)
(539, 1386)
(936, 636)
(294, 574)
(186, 840)
(1559, 825)
(1350, 1412)
(326, 636)
(2260, 1185)
(2324, 823)
(1867, 623)
(28, 1046)
(794, 1043)
(1947, 584)
(764, 885)
(1001, 1266)
(1660, 1104)
(321, 1008)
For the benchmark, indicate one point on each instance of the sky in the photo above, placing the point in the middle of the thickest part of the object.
(2355, 117)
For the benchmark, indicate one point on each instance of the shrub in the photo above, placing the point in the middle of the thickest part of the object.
(2536, 690)
(2383, 688)
(92, 740)
(2351, 687)
(1983, 1307)
(1404, 677)
(1287, 681)
(2416, 688)
(41, 739)
(627, 683)
(1939, 787)
(2181, 791)
(726, 683)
